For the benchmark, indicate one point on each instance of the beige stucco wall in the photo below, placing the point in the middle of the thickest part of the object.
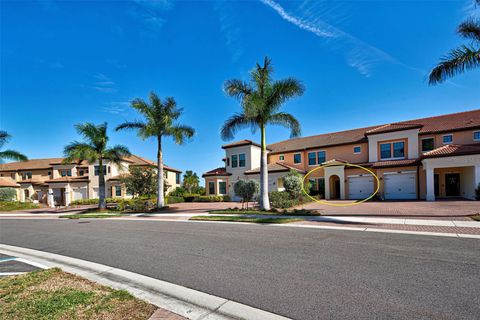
(459, 137)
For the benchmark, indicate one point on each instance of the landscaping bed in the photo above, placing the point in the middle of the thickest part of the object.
(54, 294)
(6, 206)
(295, 212)
(244, 219)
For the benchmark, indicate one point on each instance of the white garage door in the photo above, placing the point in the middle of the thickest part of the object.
(79, 193)
(360, 187)
(400, 186)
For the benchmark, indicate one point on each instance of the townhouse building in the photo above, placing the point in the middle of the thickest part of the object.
(51, 181)
(430, 158)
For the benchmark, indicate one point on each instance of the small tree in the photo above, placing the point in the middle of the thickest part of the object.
(246, 190)
(140, 181)
(8, 194)
(293, 183)
(191, 181)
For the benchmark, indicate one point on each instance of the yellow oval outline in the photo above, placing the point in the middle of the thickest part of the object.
(337, 204)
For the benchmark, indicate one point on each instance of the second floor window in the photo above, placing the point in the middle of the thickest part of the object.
(476, 136)
(357, 150)
(297, 158)
(234, 161)
(393, 150)
(321, 156)
(26, 175)
(241, 160)
(66, 173)
(312, 159)
(177, 178)
(447, 138)
(428, 144)
(97, 170)
(399, 149)
(281, 157)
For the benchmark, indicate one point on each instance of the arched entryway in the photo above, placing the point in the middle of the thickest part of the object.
(334, 182)
(26, 194)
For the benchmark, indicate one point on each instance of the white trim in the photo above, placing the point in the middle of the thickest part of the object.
(474, 135)
(446, 135)
(359, 175)
(400, 172)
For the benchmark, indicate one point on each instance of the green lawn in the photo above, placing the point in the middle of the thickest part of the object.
(476, 217)
(301, 212)
(54, 294)
(15, 205)
(244, 219)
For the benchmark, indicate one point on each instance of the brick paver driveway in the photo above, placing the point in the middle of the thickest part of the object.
(400, 208)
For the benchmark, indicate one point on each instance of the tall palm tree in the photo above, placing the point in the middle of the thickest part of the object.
(160, 120)
(9, 154)
(261, 99)
(95, 148)
(463, 58)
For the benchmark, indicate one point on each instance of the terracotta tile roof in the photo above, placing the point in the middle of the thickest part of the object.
(8, 184)
(31, 181)
(444, 123)
(240, 143)
(31, 164)
(275, 167)
(120, 176)
(395, 163)
(69, 179)
(453, 150)
(221, 171)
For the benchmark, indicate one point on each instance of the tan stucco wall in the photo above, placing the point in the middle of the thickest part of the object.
(459, 137)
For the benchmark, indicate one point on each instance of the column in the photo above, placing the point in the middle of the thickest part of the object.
(67, 195)
(327, 186)
(50, 200)
(430, 182)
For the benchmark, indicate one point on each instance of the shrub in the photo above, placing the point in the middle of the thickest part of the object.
(178, 192)
(173, 199)
(246, 190)
(477, 192)
(213, 198)
(191, 197)
(8, 194)
(293, 184)
(282, 200)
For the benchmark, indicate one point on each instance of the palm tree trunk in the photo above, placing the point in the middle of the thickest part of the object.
(101, 186)
(264, 201)
(160, 197)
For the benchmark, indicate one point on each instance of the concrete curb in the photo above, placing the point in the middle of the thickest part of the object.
(186, 302)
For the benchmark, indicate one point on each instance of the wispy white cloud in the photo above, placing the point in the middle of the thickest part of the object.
(103, 84)
(117, 107)
(358, 54)
(229, 29)
(116, 63)
(149, 13)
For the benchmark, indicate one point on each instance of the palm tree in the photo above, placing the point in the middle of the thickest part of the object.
(9, 154)
(463, 58)
(160, 120)
(191, 181)
(261, 99)
(95, 149)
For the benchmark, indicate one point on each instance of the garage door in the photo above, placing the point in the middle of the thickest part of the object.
(400, 186)
(360, 187)
(79, 193)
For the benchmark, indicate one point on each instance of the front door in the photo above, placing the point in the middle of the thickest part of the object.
(452, 184)
(337, 189)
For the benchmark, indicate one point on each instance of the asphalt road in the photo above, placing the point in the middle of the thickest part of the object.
(299, 273)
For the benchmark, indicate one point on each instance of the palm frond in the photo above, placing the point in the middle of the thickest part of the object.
(95, 134)
(142, 107)
(130, 125)
(262, 75)
(116, 154)
(237, 89)
(283, 90)
(12, 155)
(236, 122)
(181, 132)
(77, 151)
(4, 137)
(470, 29)
(288, 121)
(456, 62)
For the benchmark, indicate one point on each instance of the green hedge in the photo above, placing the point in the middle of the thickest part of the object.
(213, 199)
(283, 200)
(173, 199)
(95, 201)
(8, 194)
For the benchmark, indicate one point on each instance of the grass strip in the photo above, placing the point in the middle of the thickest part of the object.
(260, 212)
(54, 294)
(92, 215)
(6, 206)
(244, 219)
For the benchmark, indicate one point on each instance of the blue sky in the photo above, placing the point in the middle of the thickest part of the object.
(363, 62)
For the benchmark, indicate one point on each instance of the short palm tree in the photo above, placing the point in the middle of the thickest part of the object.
(463, 58)
(95, 149)
(9, 154)
(261, 99)
(160, 120)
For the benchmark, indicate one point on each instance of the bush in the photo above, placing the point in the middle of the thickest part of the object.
(477, 192)
(293, 184)
(178, 192)
(8, 194)
(170, 199)
(213, 199)
(282, 200)
(191, 197)
(94, 201)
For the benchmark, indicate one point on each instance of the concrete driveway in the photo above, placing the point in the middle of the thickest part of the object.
(399, 208)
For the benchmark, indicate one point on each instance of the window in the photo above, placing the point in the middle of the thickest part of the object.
(49, 173)
(81, 172)
(26, 175)
(109, 169)
(312, 159)
(447, 138)
(476, 136)
(177, 178)
(97, 170)
(428, 144)
(281, 157)
(222, 186)
(297, 158)
(399, 149)
(385, 151)
(312, 184)
(280, 183)
(234, 161)
(241, 160)
(118, 191)
(357, 150)
(66, 173)
(211, 187)
(321, 157)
